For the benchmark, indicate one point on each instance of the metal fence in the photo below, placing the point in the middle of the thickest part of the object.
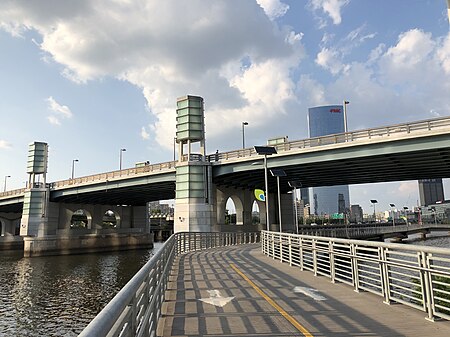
(416, 276)
(136, 308)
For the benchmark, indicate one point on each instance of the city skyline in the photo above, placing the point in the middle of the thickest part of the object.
(74, 77)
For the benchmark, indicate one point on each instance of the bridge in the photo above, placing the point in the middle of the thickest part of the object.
(201, 184)
(225, 284)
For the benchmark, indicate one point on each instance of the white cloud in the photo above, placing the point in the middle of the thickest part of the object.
(412, 48)
(144, 133)
(443, 54)
(5, 145)
(330, 59)
(59, 111)
(273, 8)
(53, 120)
(202, 54)
(331, 7)
(62, 110)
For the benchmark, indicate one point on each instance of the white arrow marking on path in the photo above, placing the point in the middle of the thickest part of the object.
(216, 299)
(309, 292)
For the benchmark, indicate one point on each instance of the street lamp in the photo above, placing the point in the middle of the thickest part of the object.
(120, 162)
(295, 185)
(374, 201)
(393, 214)
(266, 151)
(243, 134)
(4, 188)
(278, 173)
(73, 166)
(345, 115)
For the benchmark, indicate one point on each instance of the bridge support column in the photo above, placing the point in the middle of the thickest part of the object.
(34, 220)
(194, 204)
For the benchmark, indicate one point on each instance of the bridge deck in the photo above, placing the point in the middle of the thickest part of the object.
(255, 280)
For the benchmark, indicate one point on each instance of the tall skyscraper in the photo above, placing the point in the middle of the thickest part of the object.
(323, 121)
(430, 191)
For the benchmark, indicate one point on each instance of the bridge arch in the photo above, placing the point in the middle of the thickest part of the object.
(111, 219)
(81, 218)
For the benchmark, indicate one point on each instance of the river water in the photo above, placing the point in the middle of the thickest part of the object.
(60, 295)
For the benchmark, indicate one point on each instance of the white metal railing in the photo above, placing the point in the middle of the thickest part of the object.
(416, 276)
(369, 231)
(136, 308)
(384, 132)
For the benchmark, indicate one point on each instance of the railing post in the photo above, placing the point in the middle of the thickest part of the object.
(427, 286)
(314, 255)
(332, 264)
(355, 271)
(382, 257)
(300, 245)
(290, 250)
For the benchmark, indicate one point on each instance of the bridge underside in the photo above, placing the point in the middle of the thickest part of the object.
(346, 165)
(137, 195)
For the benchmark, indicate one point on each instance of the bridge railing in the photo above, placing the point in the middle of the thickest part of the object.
(367, 231)
(367, 134)
(136, 308)
(415, 276)
(12, 193)
(125, 173)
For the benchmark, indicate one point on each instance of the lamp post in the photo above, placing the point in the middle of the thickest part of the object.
(4, 186)
(243, 134)
(174, 146)
(266, 150)
(278, 173)
(295, 185)
(73, 167)
(374, 201)
(393, 215)
(345, 115)
(120, 158)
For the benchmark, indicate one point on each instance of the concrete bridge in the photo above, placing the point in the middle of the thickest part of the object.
(201, 184)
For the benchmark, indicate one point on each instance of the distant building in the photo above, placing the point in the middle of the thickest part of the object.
(431, 191)
(356, 214)
(323, 121)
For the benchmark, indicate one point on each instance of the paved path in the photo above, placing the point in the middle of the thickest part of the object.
(264, 302)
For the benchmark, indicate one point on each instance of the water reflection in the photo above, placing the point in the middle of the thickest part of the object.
(59, 295)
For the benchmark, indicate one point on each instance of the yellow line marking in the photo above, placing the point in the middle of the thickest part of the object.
(291, 319)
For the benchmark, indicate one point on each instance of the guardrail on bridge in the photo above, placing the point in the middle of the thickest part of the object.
(416, 276)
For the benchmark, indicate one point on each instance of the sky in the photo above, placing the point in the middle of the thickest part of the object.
(90, 77)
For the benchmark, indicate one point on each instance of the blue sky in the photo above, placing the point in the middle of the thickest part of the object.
(90, 77)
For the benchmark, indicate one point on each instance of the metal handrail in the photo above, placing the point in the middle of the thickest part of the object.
(136, 308)
(346, 137)
(416, 276)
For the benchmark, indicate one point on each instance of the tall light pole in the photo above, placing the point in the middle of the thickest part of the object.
(120, 159)
(73, 166)
(374, 201)
(393, 214)
(266, 150)
(278, 173)
(4, 187)
(345, 115)
(243, 134)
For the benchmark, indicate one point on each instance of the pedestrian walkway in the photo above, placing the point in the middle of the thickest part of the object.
(237, 291)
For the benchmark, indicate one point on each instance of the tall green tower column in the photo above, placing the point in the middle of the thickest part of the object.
(35, 204)
(194, 204)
